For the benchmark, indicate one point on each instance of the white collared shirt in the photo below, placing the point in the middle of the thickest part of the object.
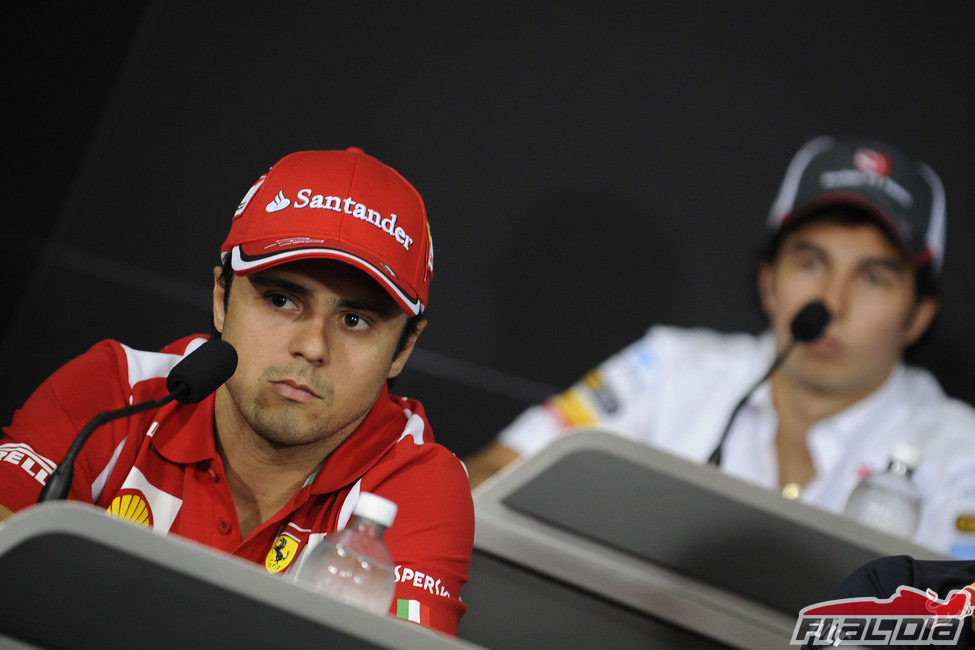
(675, 389)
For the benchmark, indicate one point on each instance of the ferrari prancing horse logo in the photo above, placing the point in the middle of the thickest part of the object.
(281, 554)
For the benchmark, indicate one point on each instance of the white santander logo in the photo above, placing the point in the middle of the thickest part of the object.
(279, 203)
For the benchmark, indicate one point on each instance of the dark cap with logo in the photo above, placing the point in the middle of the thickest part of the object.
(903, 194)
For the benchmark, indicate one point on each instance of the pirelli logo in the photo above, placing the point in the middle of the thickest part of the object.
(24, 457)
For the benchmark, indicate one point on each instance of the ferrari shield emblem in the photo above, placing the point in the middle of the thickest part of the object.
(281, 554)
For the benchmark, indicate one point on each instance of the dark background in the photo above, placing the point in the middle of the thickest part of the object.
(588, 168)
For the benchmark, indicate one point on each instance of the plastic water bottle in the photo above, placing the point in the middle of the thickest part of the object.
(354, 564)
(889, 500)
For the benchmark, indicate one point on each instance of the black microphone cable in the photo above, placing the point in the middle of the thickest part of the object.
(807, 325)
(197, 375)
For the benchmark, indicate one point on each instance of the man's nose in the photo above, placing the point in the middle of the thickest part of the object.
(309, 340)
(836, 296)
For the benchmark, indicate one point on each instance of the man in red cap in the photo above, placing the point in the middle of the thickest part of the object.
(324, 279)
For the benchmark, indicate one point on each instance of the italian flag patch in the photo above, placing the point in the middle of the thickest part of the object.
(413, 610)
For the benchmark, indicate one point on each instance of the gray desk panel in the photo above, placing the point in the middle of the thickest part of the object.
(518, 609)
(699, 532)
(678, 541)
(74, 577)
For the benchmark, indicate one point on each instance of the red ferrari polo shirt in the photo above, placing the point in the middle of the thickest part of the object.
(160, 469)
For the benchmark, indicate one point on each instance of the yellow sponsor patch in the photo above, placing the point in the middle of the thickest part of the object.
(281, 554)
(965, 523)
(573, 409)
(130, 506)
(592, 380)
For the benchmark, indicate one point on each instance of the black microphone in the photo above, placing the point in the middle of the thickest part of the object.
(807, 325)
(202, 371)
(197, 375)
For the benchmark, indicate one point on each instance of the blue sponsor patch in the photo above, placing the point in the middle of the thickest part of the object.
(644, 355)
(963, 550)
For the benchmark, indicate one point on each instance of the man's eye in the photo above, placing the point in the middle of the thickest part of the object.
(809, 263)
(354, 321)
(876, 279)
(279, 301)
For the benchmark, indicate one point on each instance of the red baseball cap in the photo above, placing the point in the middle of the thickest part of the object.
(340, 205)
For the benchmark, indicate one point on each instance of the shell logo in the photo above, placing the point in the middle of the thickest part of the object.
(281, 553)
(131, 506)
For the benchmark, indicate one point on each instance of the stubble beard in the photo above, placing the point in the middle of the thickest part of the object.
(837, 382)
(807, 377)
(279, 422)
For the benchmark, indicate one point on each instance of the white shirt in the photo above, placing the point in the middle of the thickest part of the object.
(675, 389)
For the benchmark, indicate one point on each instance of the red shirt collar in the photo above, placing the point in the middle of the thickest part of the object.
(379, 431)
(186, 436)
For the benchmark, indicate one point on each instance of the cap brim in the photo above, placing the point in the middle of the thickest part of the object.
(245, 264)
(918, 259)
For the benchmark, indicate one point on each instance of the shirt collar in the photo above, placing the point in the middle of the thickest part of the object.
(185, 433)
(186, 436)
(379, 431)
(833, 436)
(851, 419)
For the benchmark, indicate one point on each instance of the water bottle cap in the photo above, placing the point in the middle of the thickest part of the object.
(905, 454)
(379, 509)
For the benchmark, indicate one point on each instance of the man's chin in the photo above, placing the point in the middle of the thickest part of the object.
(281, 429)
(818, 376)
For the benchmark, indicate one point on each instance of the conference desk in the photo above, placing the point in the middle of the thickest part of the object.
(599, 540)
(73, 577)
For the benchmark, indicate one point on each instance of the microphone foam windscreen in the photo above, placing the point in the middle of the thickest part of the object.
(810, 322)
(202, 371)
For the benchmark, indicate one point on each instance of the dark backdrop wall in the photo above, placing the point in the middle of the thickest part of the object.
(589, 168)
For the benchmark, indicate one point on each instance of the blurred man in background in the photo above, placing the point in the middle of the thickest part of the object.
(859, 226)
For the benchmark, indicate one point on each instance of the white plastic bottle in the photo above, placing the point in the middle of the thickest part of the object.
(889, 500)
(354, 564)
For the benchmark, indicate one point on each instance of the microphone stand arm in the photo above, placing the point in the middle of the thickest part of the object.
(715, 457)
(58, 484)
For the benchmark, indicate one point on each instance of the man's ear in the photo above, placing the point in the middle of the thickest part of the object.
(920, 320)
(219, 292)
(766, 288)
(407, 350)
